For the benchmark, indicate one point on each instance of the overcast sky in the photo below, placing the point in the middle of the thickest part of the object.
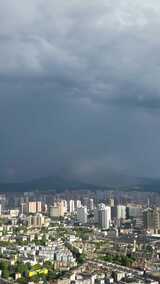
(79, 88)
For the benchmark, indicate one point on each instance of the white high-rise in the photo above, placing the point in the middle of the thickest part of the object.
(78, 204)
(82, 214)
(71, 206)
(105, 217)
(102, 215)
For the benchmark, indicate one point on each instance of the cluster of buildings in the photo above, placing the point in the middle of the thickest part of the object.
(106, 214)
(39, 228)
(37, 220)
(151, 217)
(99, 274)
(85, 211)
(54, 252)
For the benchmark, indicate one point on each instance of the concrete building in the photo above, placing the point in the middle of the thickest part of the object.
(57, 210)
(102, 215)
(97, 210)
(24, 208)
(111, 202)
(96, 215)
(105, 217)
(14, 213)
(32, 207)
(78, 204)
(36, 220)
(65, 205)
(156, 218)
(54, 211)
(91, 204)
(82, 214)
(133, 211)
(71, 206)
(121, 212)
(148, 219)
(38, 206)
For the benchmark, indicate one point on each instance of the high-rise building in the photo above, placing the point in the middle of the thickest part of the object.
(44, 208)
(91, 204)
(134, 211)
(29, 220)
(113, 212)
(111, 202)
(65, 205)
(121, 212)
(78, 204)
(61, 208)
(71, 206)
(148, 219)
(139, 222)
(3, 201)
(105, 217)
(40, 219)
(102, 215)
(54, 211)
(96, 215)
(82, 214)
(57, 210)
(36, 220)
(85, 201)
(39, 206)
(156, 218)
(24, 208)
(32, 207)
(97, 210)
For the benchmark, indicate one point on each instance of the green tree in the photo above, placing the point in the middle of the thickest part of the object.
(4, 266)
(22, 280)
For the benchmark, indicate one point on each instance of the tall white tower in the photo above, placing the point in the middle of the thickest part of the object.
(105, 217)
(71, 206)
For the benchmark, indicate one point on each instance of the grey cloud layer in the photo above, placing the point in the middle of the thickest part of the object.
(101, 47)
(79, 87)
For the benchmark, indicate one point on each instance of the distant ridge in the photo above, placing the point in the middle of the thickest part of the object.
(59, 184)
(46, 184)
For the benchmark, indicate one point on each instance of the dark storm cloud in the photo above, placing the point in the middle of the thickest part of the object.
(79, 88)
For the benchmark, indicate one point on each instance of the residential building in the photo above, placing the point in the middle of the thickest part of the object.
(82, 214)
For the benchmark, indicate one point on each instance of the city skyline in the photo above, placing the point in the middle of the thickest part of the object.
(79, 142)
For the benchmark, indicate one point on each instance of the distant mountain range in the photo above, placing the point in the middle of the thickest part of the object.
(45, 184)
(60, 184)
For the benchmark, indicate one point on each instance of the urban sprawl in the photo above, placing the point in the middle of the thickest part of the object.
(80, 237)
